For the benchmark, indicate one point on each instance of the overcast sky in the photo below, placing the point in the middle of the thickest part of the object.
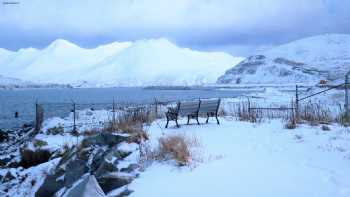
(235, 26)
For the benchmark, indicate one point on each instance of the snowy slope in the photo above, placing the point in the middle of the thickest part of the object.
(140, 63)
(10, 83)
(323, 57)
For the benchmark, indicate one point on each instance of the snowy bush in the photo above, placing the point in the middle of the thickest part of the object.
(177, 147)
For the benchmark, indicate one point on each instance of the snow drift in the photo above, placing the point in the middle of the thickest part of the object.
(309, 60)
(140, 63)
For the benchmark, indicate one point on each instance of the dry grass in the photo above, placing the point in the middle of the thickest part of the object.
(91, 132)
(39, 143)
(177, 147)
(130, 122)
(309, 112)
(58, 130)
(315, 113)
(133, 123)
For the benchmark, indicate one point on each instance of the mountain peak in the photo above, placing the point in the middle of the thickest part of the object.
(61, 43)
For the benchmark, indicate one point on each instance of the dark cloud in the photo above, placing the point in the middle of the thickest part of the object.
(202, 24)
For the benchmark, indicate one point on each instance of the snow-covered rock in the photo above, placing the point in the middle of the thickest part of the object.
(139, 63)
(309, 60)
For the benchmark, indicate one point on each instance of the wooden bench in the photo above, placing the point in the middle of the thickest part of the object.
(192, 109)
(185, 108)
(210, 108)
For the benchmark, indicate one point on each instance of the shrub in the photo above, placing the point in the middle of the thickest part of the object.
(31, 158)
(39, 143)
(131, 122)
(325, 128)
(58, 130)
(177, 147)
(290, 125)
(91, 132)
(315, 113)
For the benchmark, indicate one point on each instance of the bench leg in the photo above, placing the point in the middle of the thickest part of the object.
(188, 120)
(197, 120)
(177, 124)
(207, 118)
(217, 119)
(167, 122)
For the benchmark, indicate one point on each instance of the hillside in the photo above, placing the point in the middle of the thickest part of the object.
(14, 83)
(309, 60)
(140, 63)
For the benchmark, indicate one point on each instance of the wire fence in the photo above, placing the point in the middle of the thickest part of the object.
(97, 114)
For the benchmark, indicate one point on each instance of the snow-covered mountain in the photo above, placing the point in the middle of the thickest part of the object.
(139, 63)
(309, 60)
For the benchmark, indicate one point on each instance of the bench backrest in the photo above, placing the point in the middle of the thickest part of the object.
(209, 106)
(188, 107)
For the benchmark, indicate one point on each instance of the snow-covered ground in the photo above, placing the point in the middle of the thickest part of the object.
(234, 158)
(245, 159)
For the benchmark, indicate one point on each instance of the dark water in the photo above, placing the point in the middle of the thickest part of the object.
(58, 102)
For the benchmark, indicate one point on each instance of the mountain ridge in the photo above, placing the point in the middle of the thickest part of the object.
(139, 63)
(309, 60)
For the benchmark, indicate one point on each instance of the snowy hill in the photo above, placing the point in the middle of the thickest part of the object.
(11, 83)
(309, 60)
(140, 63)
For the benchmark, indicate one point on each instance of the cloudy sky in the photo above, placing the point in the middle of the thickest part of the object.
(235, 26)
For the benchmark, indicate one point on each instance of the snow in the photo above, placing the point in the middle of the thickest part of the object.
(245, 159)
(139, 63)
(307, 61)
(34, 177)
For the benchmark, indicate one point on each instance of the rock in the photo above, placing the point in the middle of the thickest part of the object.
(87, 186)
(105, 167)
(4, 161)
(31, 158)
(130, 168)
(113, 181)
(8, 176)
(3, 136)
(104, 139)
(50, 186)
(74, 170)
(120, 192)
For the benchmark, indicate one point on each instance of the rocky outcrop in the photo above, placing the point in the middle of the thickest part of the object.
(97, 155)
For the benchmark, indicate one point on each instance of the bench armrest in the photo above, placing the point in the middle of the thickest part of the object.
(172, 110)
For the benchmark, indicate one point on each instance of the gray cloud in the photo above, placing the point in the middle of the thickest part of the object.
(193, 23)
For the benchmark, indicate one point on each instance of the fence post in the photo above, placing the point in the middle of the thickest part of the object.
(113, 108)
(156, 107)
(296, 103)
(249, 110)
(74, 117)
(39, 116)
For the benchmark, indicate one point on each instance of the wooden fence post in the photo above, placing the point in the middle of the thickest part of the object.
(113, 118)
(347, 110)
(297, 104)
(39, 116)
(156, 107)
(249, 110)
(74, 117)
